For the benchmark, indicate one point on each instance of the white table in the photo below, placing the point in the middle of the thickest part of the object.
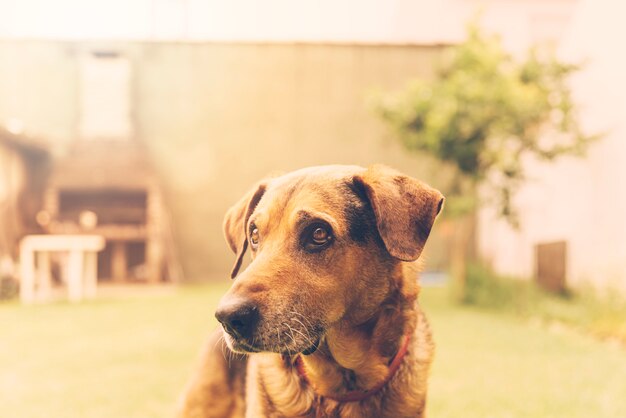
(80, 271)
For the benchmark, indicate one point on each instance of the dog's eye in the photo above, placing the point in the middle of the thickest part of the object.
(316, 237)
(319, 236)
(254, 236)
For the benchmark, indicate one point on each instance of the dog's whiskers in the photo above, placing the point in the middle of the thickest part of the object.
(219, 340)
(308, 336)
(308, 325)
(224, 348)
(293, 338)
(278, 337)
(303, 317)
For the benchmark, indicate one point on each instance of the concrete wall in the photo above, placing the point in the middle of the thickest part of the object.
(217, 117)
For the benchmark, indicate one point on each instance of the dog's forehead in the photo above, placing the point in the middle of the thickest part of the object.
(317, 175)
(322, 188)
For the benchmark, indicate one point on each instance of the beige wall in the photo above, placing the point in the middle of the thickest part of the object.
(581, 201)
(37, 87)
(216, 117)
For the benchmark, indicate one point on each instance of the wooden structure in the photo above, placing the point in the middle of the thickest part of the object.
(106, 188)
(79, 269)
(551, 262)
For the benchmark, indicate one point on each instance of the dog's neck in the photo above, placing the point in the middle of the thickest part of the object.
(357, 357)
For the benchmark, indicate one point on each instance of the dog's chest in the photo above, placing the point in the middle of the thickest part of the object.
(323, 408)
(276, 392)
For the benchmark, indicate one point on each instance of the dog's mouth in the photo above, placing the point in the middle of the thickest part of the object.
(242, 345)
(313, 348)
(239, 344)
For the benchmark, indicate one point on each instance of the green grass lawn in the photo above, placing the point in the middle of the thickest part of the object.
(131, 357)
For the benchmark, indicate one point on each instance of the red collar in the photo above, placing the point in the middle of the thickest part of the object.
(357, 395)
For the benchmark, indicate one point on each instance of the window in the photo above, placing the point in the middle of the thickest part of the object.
(104, 97)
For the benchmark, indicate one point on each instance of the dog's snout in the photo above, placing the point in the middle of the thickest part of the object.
(238, 318)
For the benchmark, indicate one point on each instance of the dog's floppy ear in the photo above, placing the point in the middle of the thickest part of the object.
(235, 223)
(404, 207)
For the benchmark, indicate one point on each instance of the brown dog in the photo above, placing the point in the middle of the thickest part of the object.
(328, 304)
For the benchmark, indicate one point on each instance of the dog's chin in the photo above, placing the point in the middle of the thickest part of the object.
(242, 346)
(292, 351)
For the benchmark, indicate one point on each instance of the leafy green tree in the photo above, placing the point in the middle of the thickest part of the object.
(483, 114)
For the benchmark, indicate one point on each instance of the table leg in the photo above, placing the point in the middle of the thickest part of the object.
(27, 275)
(74, 276)
(44, 281)
(91, 274)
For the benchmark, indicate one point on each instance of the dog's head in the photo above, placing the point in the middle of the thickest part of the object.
(325, 242)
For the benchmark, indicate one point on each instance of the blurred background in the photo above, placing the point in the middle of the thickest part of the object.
(127, 128)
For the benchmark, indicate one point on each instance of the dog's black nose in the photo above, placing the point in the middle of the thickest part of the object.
(238, 318)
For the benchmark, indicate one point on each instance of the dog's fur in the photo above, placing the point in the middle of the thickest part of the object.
(354, 300)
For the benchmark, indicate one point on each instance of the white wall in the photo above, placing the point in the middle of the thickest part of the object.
(360, 21)
(582, 201)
